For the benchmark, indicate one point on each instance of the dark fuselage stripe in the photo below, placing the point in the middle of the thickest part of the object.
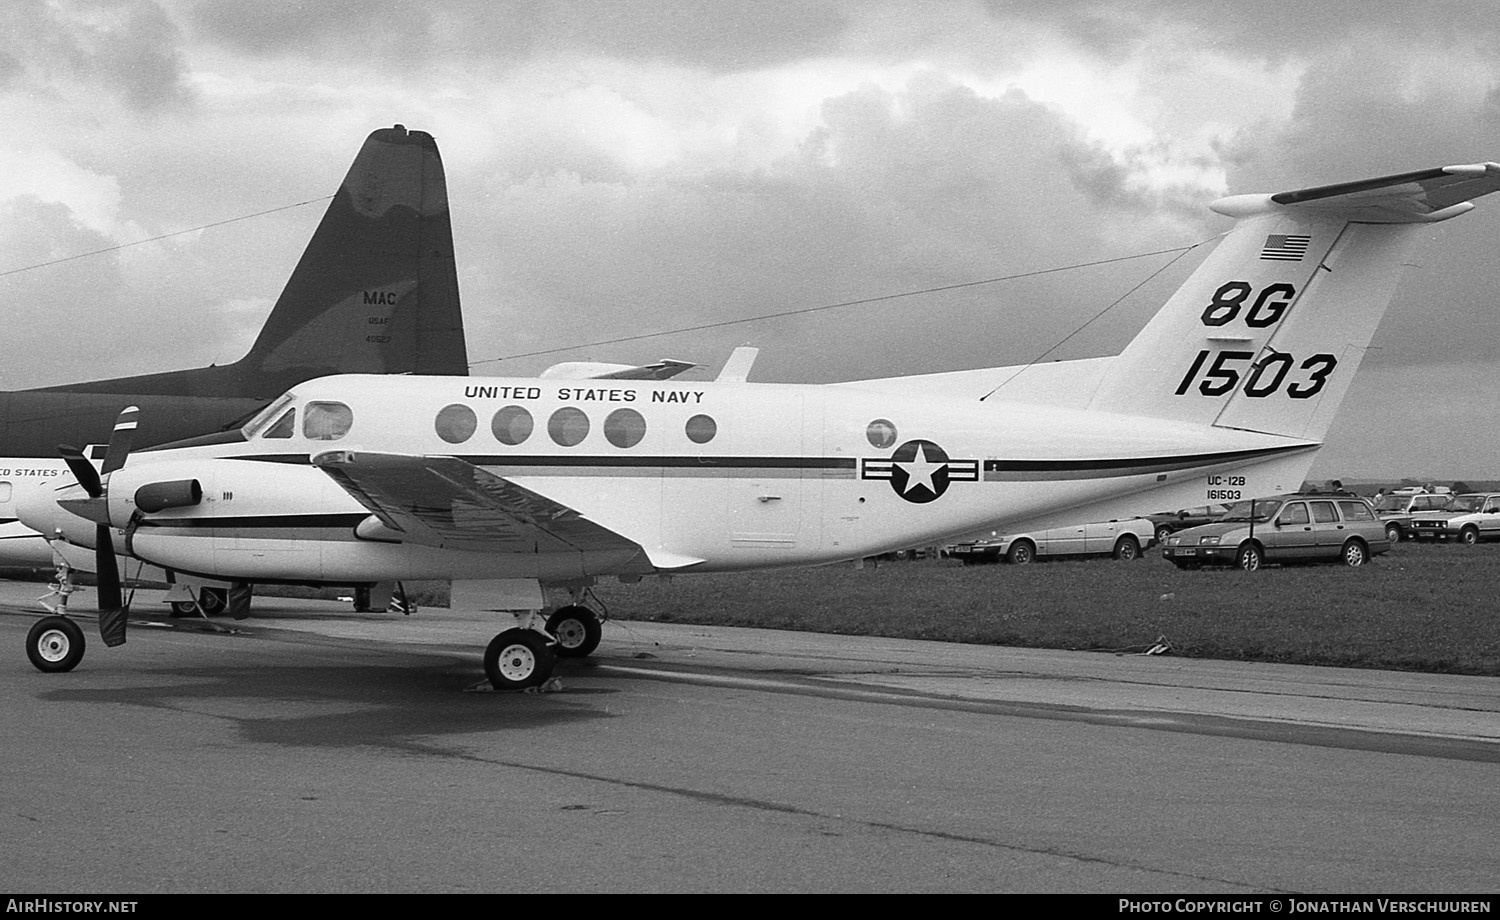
(993, 469)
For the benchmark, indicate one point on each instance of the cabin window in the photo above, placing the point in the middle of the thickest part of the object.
(568, 426)
(326, 421)
(456, 423)
(512, 425)
(881, 433)
(5, 490)
(285, 427)
(701, 429)
(624, 428)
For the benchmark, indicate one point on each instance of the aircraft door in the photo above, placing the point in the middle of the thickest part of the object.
(769, 486)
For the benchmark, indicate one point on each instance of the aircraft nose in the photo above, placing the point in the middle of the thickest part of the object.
(36, 504)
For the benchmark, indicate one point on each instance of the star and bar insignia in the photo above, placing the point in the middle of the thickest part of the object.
(919, 471)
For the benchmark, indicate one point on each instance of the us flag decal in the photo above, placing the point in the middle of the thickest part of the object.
(1281, 247)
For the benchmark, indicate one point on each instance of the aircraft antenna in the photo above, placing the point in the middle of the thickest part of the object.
(1180, 250)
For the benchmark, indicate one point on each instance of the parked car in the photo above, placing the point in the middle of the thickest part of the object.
(1299, 527)
(1396, 510)
(1120, 539)
(1470, 518)
(1169, 522)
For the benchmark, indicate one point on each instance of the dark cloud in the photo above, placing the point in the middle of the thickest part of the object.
(1269, 32)
(378, 33)
(726, 35)
(124, 48)
(898, 191)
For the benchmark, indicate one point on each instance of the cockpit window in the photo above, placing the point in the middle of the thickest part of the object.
(326, 421)
(285, 427)
(261, 420)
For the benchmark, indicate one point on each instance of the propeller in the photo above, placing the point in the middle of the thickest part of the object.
(112, 609)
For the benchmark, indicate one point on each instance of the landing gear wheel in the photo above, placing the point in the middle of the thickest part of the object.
(1248, 558)
(518, 659)
(55, 644)
(577, 630)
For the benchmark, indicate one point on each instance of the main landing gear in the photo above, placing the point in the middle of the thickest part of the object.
(523, 658)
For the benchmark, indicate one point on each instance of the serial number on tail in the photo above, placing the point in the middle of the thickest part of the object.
(1262, 378)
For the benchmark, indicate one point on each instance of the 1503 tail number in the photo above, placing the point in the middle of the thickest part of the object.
(1219, 372)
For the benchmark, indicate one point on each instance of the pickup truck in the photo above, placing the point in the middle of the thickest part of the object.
(1120, 539)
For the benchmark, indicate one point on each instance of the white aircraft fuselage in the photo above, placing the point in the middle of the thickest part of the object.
(700, 476)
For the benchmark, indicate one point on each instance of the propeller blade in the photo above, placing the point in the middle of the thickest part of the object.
(82, 469)
(112, 610)
(120, 440)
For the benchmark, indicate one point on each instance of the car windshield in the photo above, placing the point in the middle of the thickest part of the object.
(1257, 510)
(1467, 503)
(1393, 503)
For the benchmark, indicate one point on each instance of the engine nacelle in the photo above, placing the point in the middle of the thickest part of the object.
(173, 493)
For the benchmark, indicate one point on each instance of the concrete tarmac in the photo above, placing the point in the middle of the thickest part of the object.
(310, 748)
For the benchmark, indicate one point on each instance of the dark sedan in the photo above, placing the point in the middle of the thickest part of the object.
(1169, 522)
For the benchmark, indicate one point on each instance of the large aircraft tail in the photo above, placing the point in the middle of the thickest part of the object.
(376, 290)
(1267, 333)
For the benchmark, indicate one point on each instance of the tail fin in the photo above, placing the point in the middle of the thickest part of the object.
(1266, 335)
(376, 290)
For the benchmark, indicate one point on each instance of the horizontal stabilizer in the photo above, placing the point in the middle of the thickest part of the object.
(1425, 196)
(664, 369)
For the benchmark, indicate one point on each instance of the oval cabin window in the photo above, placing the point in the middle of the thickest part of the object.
(456, 423)
(568, 426)
(624, 428)
(512, 425)
(701, 429)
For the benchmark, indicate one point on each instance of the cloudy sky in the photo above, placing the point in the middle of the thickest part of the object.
(625, 166)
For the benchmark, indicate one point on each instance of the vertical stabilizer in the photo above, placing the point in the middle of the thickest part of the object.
(376, 291)
(1266, 335)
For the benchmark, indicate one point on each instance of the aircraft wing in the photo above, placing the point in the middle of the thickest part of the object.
(448, 503)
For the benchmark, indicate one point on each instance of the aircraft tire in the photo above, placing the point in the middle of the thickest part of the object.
(55, 644)
(518, 659)
(213, 600)
(577, 630)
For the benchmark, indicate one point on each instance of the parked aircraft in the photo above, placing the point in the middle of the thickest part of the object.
(512, 484)
(374, 292)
